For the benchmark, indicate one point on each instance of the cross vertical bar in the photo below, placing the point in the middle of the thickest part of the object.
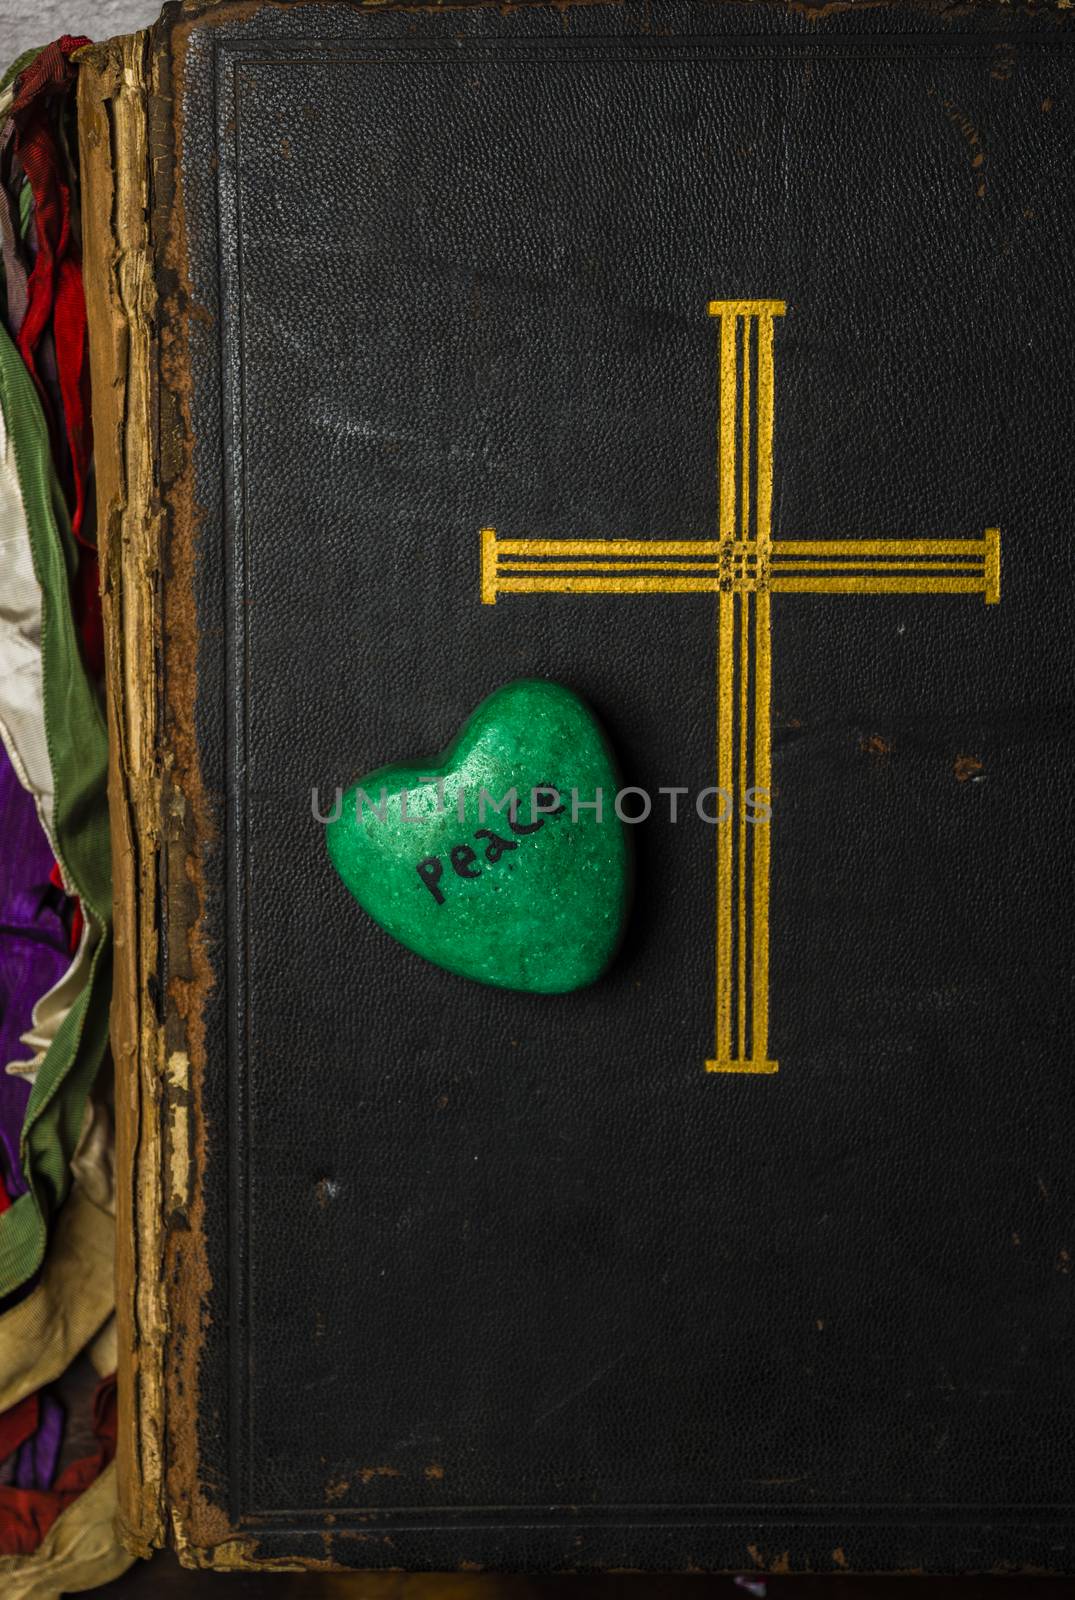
(745, 606)
(726, 408)
(745, 477)
(725, 720)
(739, 821)
(726, 607)
(762, 687)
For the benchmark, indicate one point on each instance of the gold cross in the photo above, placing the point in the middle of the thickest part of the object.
(745, 566)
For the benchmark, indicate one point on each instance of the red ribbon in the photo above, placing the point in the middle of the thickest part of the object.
(26, 1515)
(54, 294)
(18, 1425)
(77, 920)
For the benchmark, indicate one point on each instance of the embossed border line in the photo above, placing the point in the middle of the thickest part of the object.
(228, 58)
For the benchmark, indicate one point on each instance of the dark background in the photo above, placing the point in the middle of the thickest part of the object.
(164, 1577)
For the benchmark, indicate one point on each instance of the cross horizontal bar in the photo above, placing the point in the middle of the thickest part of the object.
(747, 308)
(779, 548)
(795, 566)
(742, 1066)
(912, 564)
(705, 566)
(865, 584)
(610, 547)
(789, 583)
(880, 547)
(609, 566)
(586, 585)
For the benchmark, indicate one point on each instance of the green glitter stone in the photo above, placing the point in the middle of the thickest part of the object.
(536, 903)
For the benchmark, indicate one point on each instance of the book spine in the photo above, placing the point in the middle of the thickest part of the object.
(121, 306)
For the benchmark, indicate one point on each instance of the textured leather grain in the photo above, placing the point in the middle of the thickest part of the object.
(477, 1276)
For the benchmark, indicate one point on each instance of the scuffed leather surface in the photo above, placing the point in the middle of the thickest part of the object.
(473, 1249)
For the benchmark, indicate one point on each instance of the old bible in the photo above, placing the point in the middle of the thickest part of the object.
(714, 362)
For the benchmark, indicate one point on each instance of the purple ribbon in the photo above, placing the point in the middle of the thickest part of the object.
(34, 951)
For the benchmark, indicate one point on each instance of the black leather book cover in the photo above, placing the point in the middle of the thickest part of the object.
(717, 362)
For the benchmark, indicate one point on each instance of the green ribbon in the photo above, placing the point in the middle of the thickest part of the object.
(78, 751)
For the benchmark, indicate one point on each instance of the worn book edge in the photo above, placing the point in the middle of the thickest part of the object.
(120, 304)
(139, 308)
(198, 1518)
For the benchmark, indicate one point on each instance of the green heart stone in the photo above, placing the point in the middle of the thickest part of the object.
(534, 902)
